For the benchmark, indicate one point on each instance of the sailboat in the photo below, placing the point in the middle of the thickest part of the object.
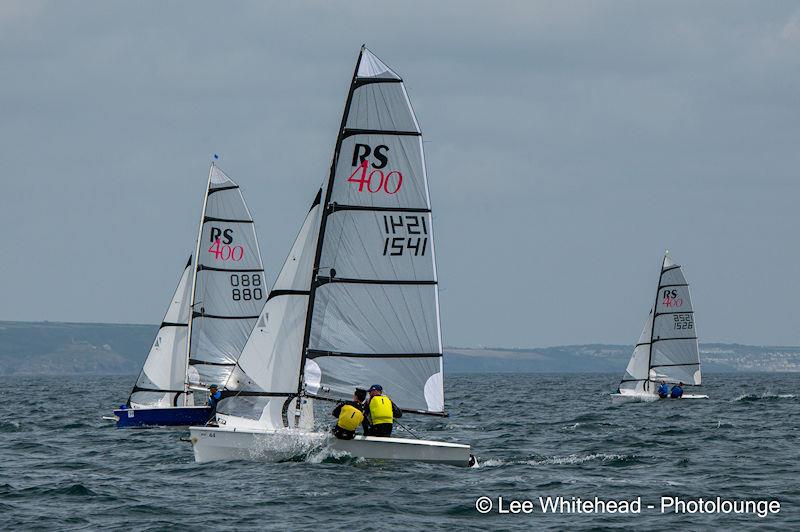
(667, 349)
(209, 319)
(355, 303)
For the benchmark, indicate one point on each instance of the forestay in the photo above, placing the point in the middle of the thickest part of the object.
(161, 380)
(667, 349)
(229, 288)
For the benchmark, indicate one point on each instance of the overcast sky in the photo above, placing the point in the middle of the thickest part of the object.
(568, 144)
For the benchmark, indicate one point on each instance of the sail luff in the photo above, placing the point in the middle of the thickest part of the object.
(194, 285)
(322, 226)
(653, 321)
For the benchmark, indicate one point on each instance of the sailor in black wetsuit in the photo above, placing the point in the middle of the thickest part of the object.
(350, 414)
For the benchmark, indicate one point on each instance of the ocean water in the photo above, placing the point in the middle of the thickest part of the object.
(63, 467)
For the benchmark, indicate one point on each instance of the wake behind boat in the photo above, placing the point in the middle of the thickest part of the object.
(209, 317)
(667, 350)
(356, 301)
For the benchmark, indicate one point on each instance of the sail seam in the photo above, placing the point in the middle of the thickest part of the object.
(675, 312)
(672, 285)
(194, 362)
(665, 270)
(675, 365)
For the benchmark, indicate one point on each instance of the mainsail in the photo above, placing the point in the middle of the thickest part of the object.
(667, 348)
(161, 380)
(229, 284)
(356, 302)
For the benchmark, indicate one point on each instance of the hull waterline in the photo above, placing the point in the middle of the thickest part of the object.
(174, 416)
(218, 443)
(622, 398)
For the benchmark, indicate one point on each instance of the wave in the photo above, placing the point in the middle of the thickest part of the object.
(766, 396)
(571, 459)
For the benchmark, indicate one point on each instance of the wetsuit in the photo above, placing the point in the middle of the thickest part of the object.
(214, 398)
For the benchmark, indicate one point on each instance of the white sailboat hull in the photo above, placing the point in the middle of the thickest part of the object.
(222, 443)
(622, 398)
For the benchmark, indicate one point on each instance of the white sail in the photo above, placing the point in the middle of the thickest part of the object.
(229, 288)
(161, 380)
(264, 381)
(374, 301)
(667, 349)
(356, 302)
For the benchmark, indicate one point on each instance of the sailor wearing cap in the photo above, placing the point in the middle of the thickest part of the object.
(214, 395)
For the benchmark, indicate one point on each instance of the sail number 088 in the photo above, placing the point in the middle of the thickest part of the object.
(246, 287)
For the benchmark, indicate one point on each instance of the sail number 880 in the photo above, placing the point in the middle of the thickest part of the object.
(246, 287)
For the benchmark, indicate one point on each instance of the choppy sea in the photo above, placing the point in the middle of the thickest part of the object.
(63, 467)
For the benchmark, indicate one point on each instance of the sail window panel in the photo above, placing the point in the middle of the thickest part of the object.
(296, 271)
(667, 353)
(403, 380)
(375, 319)
(688, 374)
(204, 375)
(270, 360)
(229, 246)
(381, 106)
(152, 399)
(378, 245)
(166, 363)
(369, 66)
(219, 340)
(377, 170)
(673, 299)
(230, 294)
(679, 325)
(228, 204)
(673, 276)
(638, 364)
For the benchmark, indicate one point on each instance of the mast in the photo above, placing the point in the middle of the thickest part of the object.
(194, 286)
(321, 234)
(653, 319)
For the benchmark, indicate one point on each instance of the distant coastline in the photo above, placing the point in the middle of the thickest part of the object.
(57, 348)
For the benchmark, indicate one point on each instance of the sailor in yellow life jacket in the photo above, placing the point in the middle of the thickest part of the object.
(380, 413)
(350, 414)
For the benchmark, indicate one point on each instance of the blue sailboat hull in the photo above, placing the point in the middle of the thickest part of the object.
(176, 416)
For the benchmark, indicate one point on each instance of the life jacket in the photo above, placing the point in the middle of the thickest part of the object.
(663, 390)
(380, 410)
(350, 418)
(676, 392)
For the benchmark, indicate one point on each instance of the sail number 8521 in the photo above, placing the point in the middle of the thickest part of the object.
(246, 287)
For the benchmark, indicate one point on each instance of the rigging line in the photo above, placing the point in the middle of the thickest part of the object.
(407, 429)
